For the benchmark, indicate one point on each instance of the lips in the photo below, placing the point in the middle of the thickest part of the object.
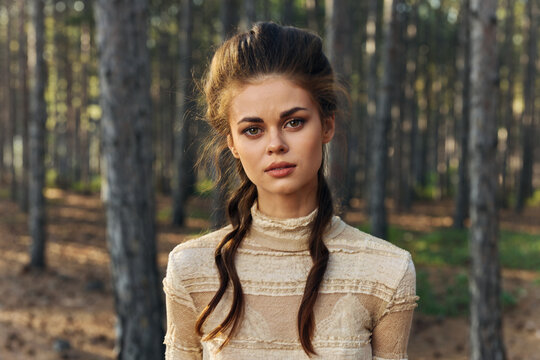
(279, 166)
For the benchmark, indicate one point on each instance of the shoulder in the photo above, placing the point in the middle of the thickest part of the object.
(373, 257)
(194, 257)
(354, 240)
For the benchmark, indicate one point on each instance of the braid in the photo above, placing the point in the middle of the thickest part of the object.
(240, 217)
(319, 254)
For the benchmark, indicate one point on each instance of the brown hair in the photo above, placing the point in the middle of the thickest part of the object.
(267, 49)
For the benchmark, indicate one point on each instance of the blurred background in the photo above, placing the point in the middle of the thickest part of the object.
(414, 54)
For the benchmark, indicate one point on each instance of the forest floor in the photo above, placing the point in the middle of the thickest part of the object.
(67, 312)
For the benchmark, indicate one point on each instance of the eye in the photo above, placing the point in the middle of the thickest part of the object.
(252, 131)
(294, 123)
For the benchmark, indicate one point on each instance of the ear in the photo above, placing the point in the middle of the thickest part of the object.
(329, 128)
(230, 144)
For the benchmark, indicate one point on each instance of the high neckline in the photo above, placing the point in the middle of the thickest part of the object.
(285, 234)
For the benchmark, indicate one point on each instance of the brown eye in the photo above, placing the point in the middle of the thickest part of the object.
(252, 131)
(294, 123)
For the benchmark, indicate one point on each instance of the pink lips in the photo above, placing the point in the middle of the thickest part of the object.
(280, 169)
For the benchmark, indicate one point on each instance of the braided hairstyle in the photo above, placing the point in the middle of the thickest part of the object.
(266, 49)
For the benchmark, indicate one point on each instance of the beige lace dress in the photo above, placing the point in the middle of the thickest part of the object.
(364, 309)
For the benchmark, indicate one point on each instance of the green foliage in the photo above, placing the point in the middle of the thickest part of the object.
(449, 247)
(164, 214)
(534, 200)
(430, 190)
(94, 186)
(51, 175)
(441, 247)
(519, 250)
(452, 299)
(204, 187)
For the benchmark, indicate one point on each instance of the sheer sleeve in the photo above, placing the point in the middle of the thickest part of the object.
(391, 333)
(181, 340)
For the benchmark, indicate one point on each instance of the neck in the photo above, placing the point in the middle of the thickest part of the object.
(287, 206)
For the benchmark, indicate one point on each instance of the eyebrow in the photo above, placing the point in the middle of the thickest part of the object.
(254, 119)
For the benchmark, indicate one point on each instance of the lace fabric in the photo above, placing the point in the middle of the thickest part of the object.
(364, 309)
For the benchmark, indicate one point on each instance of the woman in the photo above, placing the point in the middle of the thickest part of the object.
(286, 279)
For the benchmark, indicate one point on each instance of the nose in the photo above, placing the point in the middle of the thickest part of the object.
(276, 144)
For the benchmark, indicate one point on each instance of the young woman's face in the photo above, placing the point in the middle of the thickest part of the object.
(277, 133)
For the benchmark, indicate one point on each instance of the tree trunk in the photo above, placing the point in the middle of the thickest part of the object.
(524, 189)
(339, 52)
(124, 75)
(399, 156)
(383, 121)
(412, 108)
(4, 45)
(250, 13)
(38, 77)
(23, 105)
(287, 12)
(12, 106)
(312, 12)
(462, 196)
(229, 17)
(508, 112)
(373, 42)
(219, 194)
(85, 133)
(486, 319)
(184, 166)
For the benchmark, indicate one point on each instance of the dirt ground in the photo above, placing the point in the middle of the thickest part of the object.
(67, 312)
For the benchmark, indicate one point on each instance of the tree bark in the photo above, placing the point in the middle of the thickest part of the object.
(382, 124)
(124, 74)
(12, 108)
(524, 189)
(339, 52)
(250, 13)
(507, 111)
(229, 17)
(38, 77)
(4, 45)
(412, 106)
(373, 42)
(219, 194)
(486, 320)
(287, 12)
(462, 196)
(184, 164)
(23, 107)
(312, 13)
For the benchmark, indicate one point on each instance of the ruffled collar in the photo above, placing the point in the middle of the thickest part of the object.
(286, 234)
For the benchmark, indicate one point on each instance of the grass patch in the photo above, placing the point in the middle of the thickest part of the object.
(92, 187)
(452, 299)
(449, 296)
(448, 246)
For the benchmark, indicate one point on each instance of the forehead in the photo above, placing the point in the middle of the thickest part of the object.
(268, 96)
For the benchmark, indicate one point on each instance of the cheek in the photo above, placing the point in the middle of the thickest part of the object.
(313, 151)
(250, 160)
